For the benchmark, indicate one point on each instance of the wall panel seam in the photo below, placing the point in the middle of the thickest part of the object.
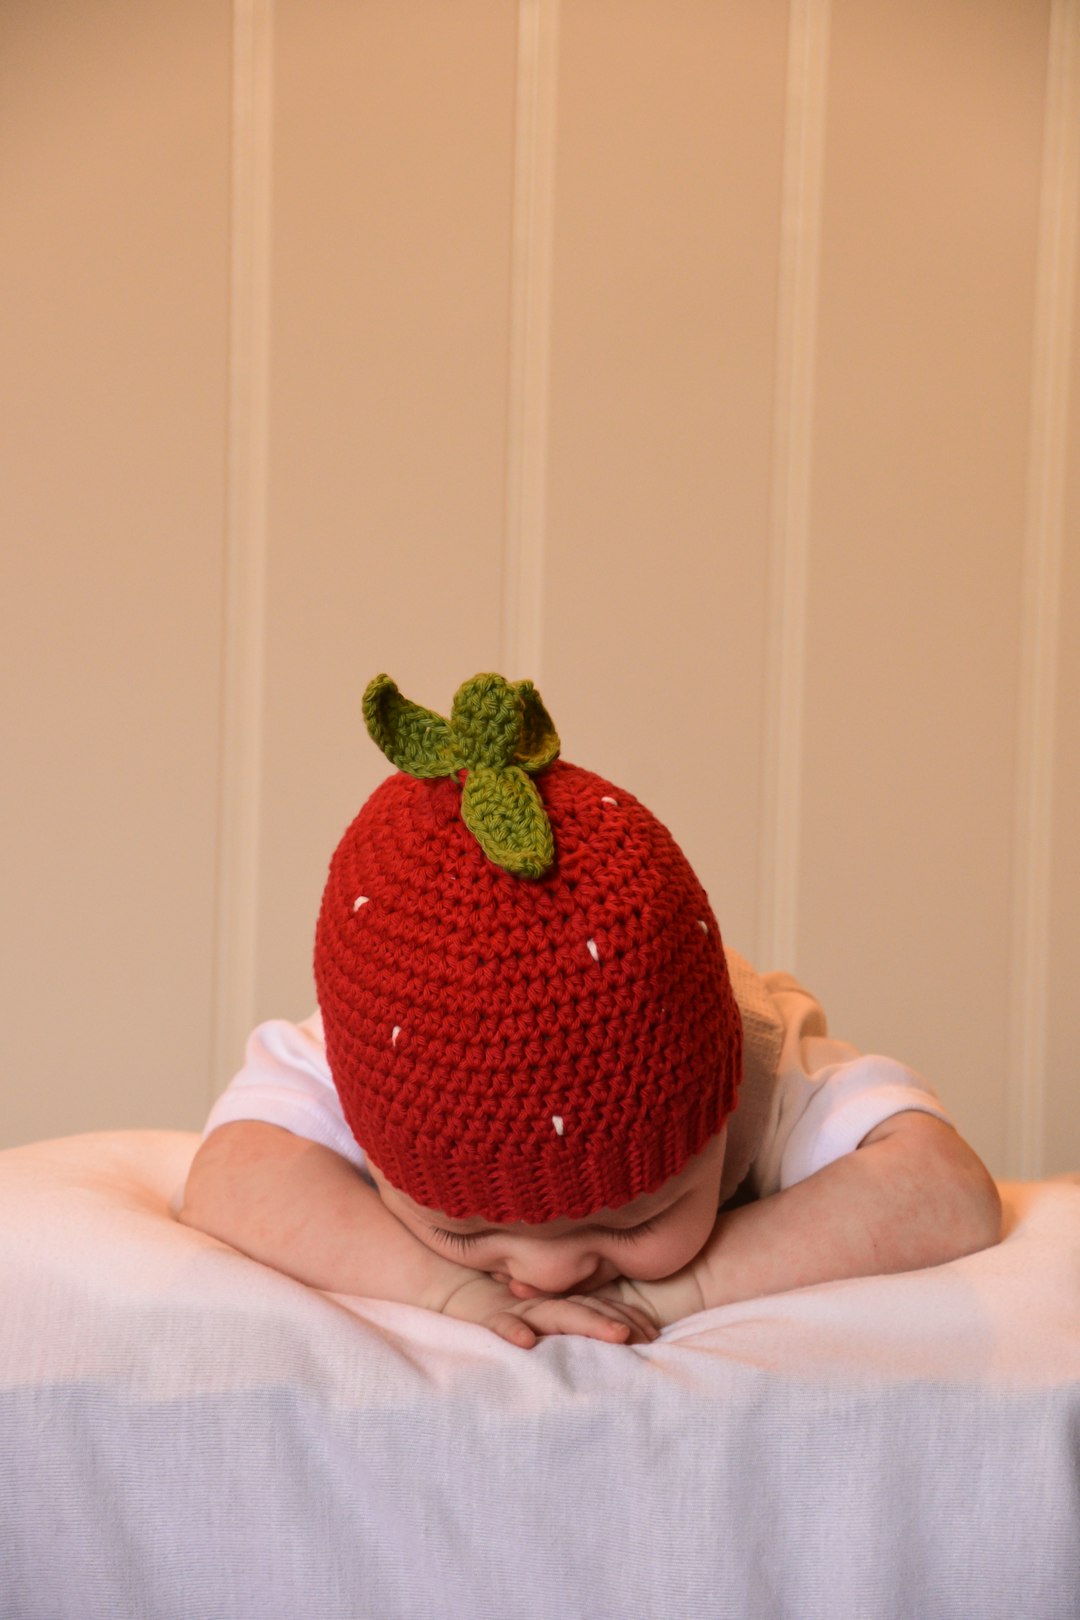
(536, 109)
(242, 679)
(786, 608)
(1043, 547)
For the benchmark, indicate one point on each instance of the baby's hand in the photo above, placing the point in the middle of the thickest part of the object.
(524, 1321)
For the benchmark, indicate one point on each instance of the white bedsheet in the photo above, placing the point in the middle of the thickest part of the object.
(186, 1433)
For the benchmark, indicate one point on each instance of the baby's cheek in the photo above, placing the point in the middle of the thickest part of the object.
(667, 1258)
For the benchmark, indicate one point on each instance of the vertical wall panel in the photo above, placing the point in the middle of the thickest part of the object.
(1062, 1151)
(792, 457)
(924, 355)
(392, 206)
(664, 306)
(1041, 598)
(114, 131)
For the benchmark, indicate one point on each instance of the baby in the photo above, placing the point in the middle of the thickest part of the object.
(539, 1094)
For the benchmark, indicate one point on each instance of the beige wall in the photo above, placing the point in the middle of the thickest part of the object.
(714, 364)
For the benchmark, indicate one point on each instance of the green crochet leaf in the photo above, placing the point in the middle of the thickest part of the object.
(497, 731)
(502, 810)
(412, 738)
(486, 721)
(538, 743)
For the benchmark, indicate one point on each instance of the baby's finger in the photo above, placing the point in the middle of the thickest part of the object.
(642, 1321)
(512, 1329)
(573, 1315)
(635, 1315)
(646, 1322)
(567, 1316)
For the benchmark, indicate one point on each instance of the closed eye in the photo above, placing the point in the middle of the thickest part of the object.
(622, 1234)
(462, 1240)
(627, 1234)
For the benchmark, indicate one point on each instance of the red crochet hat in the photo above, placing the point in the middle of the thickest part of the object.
(523, 988)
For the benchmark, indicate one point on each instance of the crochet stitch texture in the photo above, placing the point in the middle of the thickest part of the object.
(523, 1048)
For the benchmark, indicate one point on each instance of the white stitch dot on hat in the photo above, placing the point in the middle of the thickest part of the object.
(361, 900)
(556, 1120)
(703, 925)
(607, 799)
(394, 1036)
(590, 945)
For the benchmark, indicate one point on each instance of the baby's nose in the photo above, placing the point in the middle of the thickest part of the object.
(554, 1280)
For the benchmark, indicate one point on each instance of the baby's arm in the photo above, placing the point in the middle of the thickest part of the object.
(304, 1210)
(301, 1208)
(913, 1194)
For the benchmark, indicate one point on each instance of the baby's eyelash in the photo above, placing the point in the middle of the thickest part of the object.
(465, 1240)
(628, 1234)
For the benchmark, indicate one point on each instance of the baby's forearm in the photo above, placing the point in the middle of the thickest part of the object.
(304, 1210)
(913, 1195)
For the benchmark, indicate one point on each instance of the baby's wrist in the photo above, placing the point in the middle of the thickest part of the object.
(471, 1295)
(666, 1300)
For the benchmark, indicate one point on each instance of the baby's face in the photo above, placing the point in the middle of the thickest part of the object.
(653, 1237)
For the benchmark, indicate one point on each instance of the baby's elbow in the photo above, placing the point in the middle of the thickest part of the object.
(993, 1215)
(969, 1214)
(970, 1200)
(194, 1214)
(210, 1195)
(960, 1197)
(979, 1212)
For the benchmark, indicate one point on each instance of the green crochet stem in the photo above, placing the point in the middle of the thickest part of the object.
(501, 734)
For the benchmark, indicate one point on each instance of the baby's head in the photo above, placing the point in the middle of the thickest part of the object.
(527, 1008)
(653, 1236)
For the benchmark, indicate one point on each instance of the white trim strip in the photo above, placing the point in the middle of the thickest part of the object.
(1043, 545)
(530, 336)
(245, 539)
(797, 308)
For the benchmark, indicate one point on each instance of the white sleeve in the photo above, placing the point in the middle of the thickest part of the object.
(828, 1095)
(286, 1081)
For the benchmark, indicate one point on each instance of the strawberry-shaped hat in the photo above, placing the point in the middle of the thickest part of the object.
(523, 988)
